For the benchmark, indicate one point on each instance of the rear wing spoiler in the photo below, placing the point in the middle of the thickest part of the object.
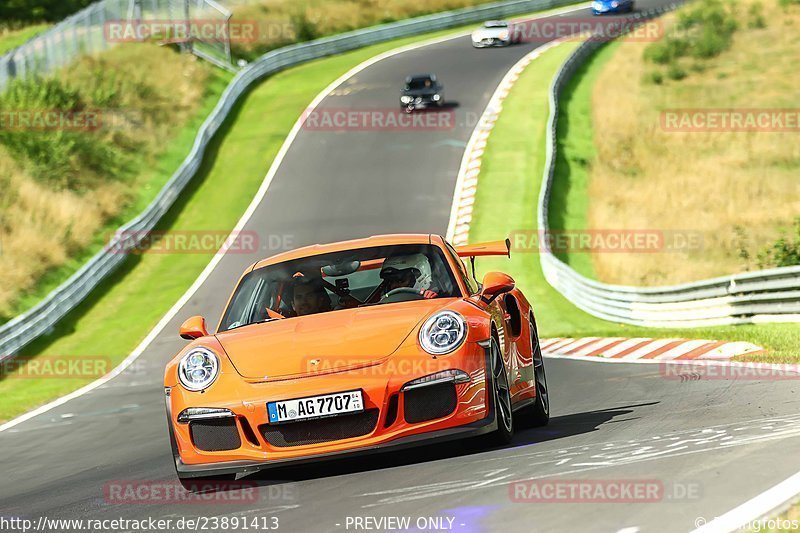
(485, 249)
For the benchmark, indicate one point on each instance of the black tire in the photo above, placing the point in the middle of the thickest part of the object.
(538, 413)
(501, 398)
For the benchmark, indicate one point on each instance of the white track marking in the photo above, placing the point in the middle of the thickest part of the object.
(467, 181)
(760, 506)
(546, 343)
(557, 345)
(574, 345)
(597, 345)
(728, 350)
(681, 349)
(647, 348)
(262, 191)
(621, 347)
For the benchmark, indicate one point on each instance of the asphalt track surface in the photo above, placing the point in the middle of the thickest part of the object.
(710, 444)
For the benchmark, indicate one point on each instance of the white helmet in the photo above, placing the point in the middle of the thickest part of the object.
(418, 262)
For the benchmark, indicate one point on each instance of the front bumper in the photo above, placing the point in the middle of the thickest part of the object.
(422, 102)
(490, 41)
(481, 427)
(393, 429)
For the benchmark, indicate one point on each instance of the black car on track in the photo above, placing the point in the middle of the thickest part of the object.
(421, 91)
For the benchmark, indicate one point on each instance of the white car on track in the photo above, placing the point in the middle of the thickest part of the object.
(494, 33)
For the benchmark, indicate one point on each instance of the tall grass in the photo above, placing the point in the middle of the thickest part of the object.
(61, 186)
(737, 190)
(287, 21)
(703, 30)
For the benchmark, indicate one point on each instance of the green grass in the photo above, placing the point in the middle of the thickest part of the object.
(509, 183)
(12, 38)
(152, 180)
(119, 313)
(570, 195)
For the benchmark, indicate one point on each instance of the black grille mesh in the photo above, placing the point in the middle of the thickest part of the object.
(215, 435)
(321, 429)
(429, 403)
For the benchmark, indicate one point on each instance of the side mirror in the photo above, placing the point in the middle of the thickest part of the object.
(193, 328)
(495, 284)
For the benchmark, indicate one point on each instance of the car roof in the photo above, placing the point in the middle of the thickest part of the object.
(421, 77)
(355, 244)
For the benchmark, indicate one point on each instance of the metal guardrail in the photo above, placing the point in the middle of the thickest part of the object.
(86, 32)
(764, 296)
(26, 327)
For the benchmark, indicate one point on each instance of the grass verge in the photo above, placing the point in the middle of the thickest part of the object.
(735, 194)
(509, 184)
(569, 202)
(120, 312)
(11, 38)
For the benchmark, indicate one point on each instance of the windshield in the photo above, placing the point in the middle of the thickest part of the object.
(419, 83)
(341, 280)
(496, 25)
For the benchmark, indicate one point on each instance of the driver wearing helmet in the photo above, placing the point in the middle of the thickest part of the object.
(411, 271)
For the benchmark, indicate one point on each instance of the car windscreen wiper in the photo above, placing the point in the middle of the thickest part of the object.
(251, 323)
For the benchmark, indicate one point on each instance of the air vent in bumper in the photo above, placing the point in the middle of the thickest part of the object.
(214, 435)
(428, 403)
(321, 429)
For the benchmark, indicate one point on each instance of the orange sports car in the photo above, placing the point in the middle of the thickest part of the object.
(355, 347)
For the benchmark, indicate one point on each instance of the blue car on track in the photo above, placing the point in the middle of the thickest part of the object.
(601, 7)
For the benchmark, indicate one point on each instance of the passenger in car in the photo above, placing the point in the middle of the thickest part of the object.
(309, 296)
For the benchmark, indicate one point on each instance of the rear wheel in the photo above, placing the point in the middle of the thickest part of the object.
(501, 398)
(537, 414)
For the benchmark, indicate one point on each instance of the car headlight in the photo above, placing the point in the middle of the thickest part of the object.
(437, 97)
(442, 333)
(406, 99)
(198, 369)
(614, 4)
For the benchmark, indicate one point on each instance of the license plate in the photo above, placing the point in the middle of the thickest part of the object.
(315, 407)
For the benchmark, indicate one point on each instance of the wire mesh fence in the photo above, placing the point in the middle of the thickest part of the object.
(107, 23)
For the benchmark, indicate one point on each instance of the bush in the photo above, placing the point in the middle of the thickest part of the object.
(654, 77)
(39, 10)
(783, 252)
(667, 51)
(59, 158)
(676, 72)
(305, 29)
(756, 13)
(704, 30)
